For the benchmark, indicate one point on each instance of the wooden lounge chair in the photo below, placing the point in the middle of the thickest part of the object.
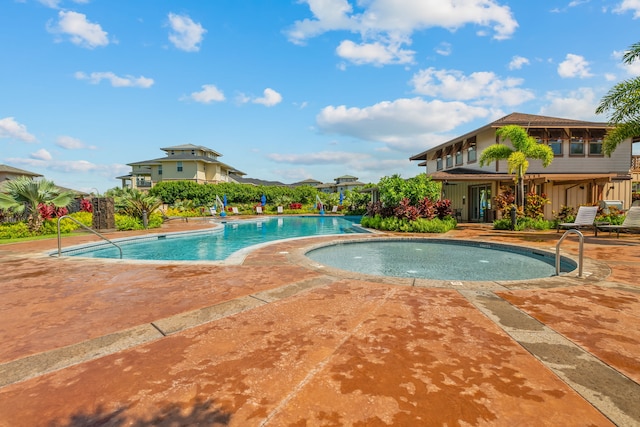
(631, 222)
(584, 219)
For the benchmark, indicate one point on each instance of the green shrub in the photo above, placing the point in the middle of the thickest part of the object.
(14, 230)
(420, 225)
(125, 222)
(523, 224)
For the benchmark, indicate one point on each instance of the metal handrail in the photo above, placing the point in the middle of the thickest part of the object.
(580, 250)
(86, 228)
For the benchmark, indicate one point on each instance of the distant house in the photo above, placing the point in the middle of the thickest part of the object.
(579, 175)
(310, 182)
(8, 173)
(341, 184)
(186, 162)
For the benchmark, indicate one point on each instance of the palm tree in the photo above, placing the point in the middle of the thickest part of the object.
(524, 147)
(24, 194)
(623, 103)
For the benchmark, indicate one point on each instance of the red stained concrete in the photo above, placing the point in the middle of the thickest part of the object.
(349, 352)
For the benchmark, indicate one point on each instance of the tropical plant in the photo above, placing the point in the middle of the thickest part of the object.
(393, 189)
(25, 195)
(622, 102)
(135, 203)
(524, 147)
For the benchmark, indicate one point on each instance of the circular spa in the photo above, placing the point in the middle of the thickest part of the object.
(440, 259)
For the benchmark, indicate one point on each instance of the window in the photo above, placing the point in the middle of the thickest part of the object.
(160, 170)
(449, 160)
(193, 152)
(439, 163)
(458, 158)
(179, 166)
(576, 144)
(472, 154)
(556, 147)
(595, 148)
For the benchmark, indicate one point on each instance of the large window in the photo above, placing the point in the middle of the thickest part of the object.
(577, 142)
(449, 160)
(472, 154)
(556, 147)
(596, 136)
(179, 166)
(458, 158)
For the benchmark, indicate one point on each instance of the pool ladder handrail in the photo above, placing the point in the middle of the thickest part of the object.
(580, 250)
(86, 228)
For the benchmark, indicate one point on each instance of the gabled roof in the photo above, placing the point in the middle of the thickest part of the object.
(308, 181)
(16, 171)
(191, 147)
(520, 119)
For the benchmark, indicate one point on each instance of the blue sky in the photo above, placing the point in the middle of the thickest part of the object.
(291, 89)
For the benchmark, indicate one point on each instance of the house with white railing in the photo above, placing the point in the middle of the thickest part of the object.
(580, 173)
(185, 162)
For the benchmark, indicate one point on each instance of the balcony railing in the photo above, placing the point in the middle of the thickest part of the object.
(143, 184)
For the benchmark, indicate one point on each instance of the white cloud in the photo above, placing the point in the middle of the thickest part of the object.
(483, 87)
(580, 105)
(318, 158)
(444, 49)
(376, 53)
(574, 66)
(41, 154)
(270, 98)
(207, 95)
(517, 62)
(629, 6)
(72, 166)
(116, 81)
(9, 128)
(80, 31)
(403, 124)
(386, 25)
(186, 35)
(70, 143)
(54, 4)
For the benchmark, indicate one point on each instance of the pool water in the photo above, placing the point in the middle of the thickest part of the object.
(220, 244)
(440, 259)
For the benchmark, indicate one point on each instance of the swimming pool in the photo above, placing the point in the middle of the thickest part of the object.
(440, 259)
(221, 242)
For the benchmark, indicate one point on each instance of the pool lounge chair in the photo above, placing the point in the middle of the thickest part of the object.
(234, 210)
(259, 210)
(631, 222)
(584, 219)
(334, 209)
(280, 209)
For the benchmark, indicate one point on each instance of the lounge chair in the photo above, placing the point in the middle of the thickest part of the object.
(334, 209)
(166, 218)
(234, 210)
(631, 222)
(259, 210)
(213, 211)
(280, 209)
(584, 219)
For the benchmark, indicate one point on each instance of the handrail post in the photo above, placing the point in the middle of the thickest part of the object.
(86, 228)
(580, 250)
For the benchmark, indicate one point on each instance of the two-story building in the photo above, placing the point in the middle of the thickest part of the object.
(580, 174)
(341, 184)
(185, 162)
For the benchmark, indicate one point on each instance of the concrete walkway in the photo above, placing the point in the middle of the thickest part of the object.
(278, 340)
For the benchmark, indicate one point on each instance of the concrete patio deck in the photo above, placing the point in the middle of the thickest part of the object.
(280, 341)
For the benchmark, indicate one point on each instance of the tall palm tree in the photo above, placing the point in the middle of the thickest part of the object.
(524, 147)
(623, 103)
(24, 194)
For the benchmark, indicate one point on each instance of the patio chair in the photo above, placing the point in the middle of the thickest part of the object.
(631, 222)
(280, 209)
(234, 210)
(584, 219)
(334, 209)
(259, 210)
